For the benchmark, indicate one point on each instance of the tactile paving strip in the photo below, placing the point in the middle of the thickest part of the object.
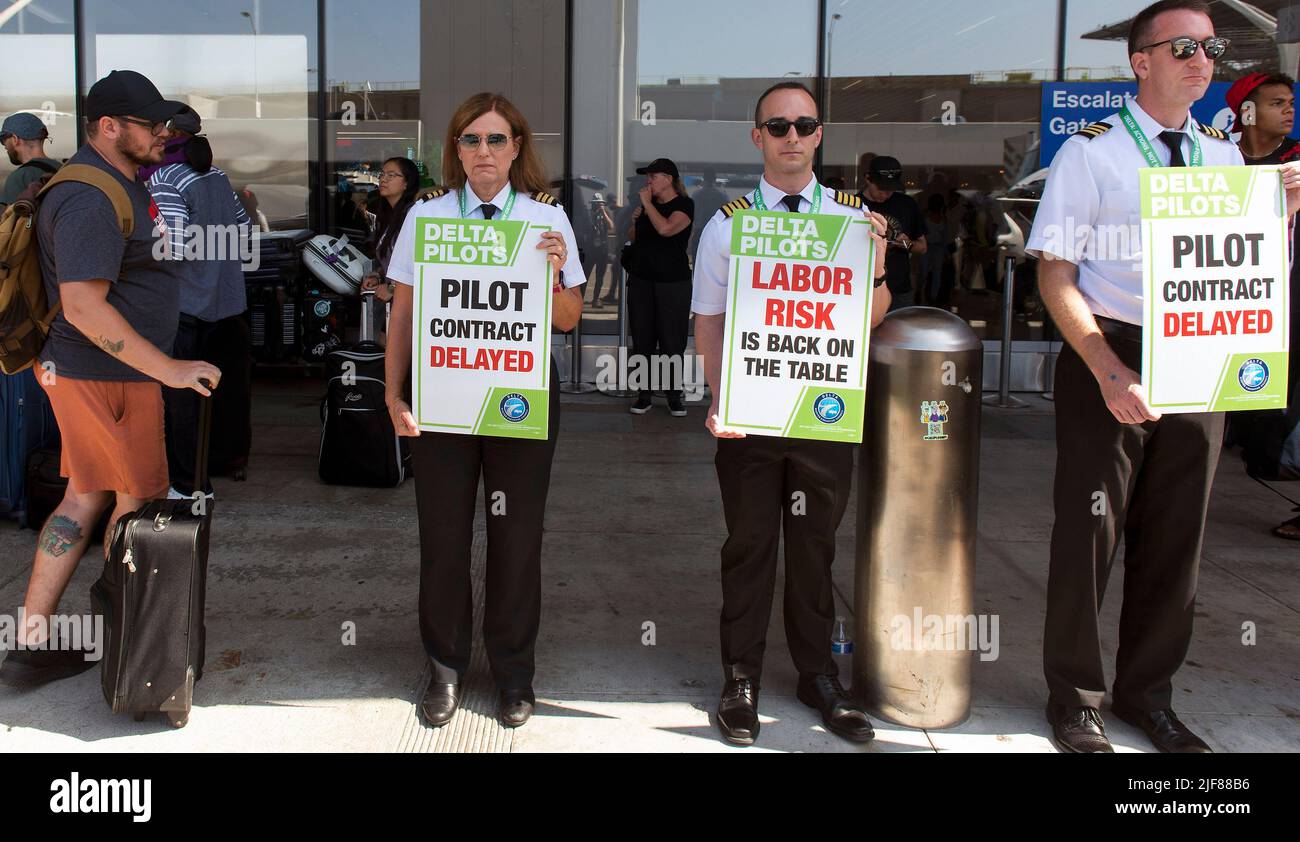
(474, 728)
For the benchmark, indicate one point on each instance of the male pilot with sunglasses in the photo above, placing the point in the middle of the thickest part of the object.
(762, 478)
(1121, 468)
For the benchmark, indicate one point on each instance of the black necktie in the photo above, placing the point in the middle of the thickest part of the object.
(1174, 140)
(489, 211)
(792, 202)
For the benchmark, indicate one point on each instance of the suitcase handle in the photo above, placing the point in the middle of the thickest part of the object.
(205, 434)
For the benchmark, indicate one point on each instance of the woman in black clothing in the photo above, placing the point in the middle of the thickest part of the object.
(659, 285)
(399, 181)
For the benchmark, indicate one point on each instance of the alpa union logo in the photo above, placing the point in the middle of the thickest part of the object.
(1253, 375)
(514, 408)
(829, 408)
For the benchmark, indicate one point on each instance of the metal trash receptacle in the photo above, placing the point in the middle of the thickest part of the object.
(918, 485)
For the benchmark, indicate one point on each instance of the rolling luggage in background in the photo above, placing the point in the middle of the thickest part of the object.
(26, 425)
(358, 445)
(152, 596)
(336, 263)
(324, 317)
(274, 296)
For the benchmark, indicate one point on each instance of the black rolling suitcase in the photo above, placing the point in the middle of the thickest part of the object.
(152, 596)
(358, 445)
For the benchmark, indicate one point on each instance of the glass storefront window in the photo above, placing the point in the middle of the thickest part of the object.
(953, 92)
(247, 68)
(671, 79)
(36, 72)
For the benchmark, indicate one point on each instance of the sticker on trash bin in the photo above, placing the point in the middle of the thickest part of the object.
(934, 414)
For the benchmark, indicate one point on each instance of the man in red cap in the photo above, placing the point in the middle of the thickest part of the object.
(1264, 105)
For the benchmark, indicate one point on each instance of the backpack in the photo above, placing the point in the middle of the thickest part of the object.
(25, 312)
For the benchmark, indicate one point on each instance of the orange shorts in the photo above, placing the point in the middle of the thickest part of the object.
(113, 437)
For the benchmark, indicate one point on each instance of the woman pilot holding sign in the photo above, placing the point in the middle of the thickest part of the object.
(491, 171)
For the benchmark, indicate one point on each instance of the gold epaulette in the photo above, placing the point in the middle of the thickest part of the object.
(431, 193)
(544, 197)
(1211, 131)
(730, 208)
(1095, 130)
(849, 200)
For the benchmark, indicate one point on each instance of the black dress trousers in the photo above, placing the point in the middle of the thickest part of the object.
(659, 319)
(1149, 484)
(516, 477)
(768, 483)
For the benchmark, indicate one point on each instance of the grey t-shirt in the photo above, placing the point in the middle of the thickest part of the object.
(80, 241)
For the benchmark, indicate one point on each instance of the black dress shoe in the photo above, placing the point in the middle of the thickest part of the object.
(1078, 730)
(738, 711)
(1162, 726)
(439, 703)
(516, 706)
(27, 669)
(841, 714)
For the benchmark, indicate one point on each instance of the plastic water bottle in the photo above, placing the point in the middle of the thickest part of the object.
(841, 643)
(842, 650)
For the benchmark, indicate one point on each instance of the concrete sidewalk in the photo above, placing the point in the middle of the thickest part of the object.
(634, 526)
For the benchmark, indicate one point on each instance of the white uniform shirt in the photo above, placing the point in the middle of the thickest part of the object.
(401, 268)
(1091, 210)
(713, 258)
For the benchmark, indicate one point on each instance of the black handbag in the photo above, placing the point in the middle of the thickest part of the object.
(627, 257)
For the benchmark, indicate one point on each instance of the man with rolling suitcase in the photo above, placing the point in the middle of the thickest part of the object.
(106, 354)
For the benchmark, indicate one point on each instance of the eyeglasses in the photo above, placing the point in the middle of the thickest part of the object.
(154, 128)
(1185, 47)
(780, 127)
(472, 141)
(384, 175)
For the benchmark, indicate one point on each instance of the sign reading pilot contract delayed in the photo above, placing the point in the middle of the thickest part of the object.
(481, 344)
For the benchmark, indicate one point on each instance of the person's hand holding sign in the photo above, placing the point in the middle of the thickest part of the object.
(880, 226)
(1126, 397)
(403, 419)
(568, 302)
(1291, 184)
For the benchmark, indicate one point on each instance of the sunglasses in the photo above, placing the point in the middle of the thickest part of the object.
(472, 141)
(154, 128)
(1185, 47)
(780, 127)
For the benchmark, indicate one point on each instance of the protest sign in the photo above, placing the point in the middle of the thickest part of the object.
(1216, 271)
(480, 350)
(798, 322)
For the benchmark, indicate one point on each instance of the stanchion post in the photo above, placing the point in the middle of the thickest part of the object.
(1004, 399)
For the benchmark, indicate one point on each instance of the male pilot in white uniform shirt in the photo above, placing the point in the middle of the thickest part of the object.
(759, 476)
(1154, 473)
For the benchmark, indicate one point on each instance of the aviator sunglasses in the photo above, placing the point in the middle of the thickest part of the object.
(780, 127)
(494, 140)
(1185, 47)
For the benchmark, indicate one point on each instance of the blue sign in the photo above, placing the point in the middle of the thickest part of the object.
(1070, 106)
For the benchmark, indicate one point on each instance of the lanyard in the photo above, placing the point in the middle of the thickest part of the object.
(816, 201)
(505, 212)
(1144, 145)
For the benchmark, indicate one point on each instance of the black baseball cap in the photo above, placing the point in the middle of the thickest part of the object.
(125, 93)
(662, 165)
(886, 173)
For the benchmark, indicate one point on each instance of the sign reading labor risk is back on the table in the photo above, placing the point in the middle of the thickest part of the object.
(794, 361)
(481, 328)
(1215, 242)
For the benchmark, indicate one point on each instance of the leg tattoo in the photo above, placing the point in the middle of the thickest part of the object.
(60, 534)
